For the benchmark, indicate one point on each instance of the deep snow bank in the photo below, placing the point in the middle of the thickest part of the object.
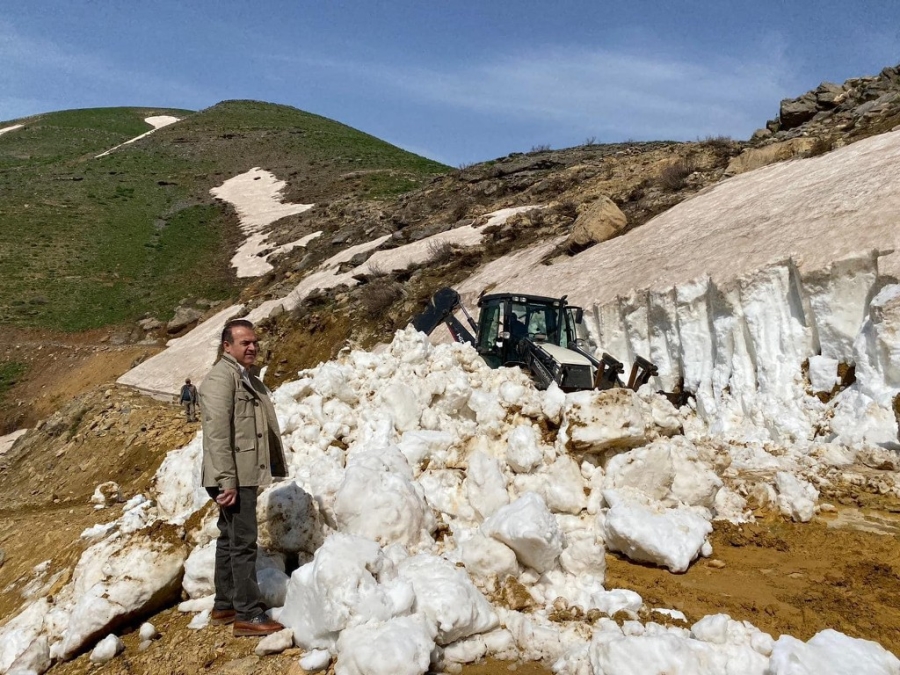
(755, 292)
(425, 488)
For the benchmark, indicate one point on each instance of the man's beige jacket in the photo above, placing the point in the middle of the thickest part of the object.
(241, 438)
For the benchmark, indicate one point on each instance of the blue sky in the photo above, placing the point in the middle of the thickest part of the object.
(456, 81)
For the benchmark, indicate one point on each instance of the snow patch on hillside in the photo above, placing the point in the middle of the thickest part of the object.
(156, 121)
(256, 196)
(6, 130)
(194, 354)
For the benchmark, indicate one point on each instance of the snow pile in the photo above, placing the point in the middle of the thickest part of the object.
(438, 511)
(256, 196)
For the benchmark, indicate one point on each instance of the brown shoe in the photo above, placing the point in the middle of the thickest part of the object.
(221, 617)
(259, 625)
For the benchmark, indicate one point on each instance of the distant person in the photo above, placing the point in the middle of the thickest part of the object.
(188, 399)
(241, 452)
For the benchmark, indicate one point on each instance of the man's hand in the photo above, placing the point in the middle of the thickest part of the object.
(227, 497)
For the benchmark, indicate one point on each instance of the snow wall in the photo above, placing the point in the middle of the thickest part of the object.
(755, 351)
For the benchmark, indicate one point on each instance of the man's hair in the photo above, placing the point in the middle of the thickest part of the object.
(226, 334)
(187, 381)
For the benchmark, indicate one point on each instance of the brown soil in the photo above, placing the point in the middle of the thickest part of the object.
(788, 578)
(60, 367)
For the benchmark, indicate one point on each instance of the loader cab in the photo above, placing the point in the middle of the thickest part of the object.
(507, 318)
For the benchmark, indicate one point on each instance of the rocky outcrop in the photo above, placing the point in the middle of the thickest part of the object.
(860, 107)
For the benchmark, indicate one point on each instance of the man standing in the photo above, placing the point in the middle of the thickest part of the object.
(241, 451)
(189, 400)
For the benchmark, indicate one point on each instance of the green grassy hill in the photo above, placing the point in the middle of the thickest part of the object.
(87, 242)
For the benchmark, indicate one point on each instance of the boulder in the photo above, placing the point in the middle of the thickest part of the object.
(601, 220)
(754, 158)
(827, 94)
(184, 317)
(795, 111)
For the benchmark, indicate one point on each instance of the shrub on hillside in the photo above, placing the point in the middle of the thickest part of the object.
(673, 176)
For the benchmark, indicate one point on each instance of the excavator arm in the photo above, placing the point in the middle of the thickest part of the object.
(442, 308)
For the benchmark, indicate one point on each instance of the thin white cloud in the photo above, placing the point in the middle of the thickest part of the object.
(601, 92)
(27, 60)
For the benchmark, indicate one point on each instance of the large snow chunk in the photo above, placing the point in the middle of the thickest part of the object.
(523, 452)
(561, 485)
(485, 557)
(648, 532)
(823, 373)
(402, 403)
(177, 484)
(614, 653)
(831, 653)
(796, 497)
(114, 580)
(21, 633)
(288, 519)
(447, 597)
(401, 646)
(529, 529)
(377, 502)
(668, 470)
(107, 649)
(199, 571)
(485, 484)
(614, 418)
(349, 582)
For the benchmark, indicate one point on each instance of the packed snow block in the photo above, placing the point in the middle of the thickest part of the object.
(831, 653)
(721, 629)
(21, 638)
(584, 554)
(115, 580)
(597, 421)
(447, 597)
(823, 373)
(522, 450)
(403, 404)
(485, 484)
(377, 502)
(288, 518)
(177, 485)
(107, 649)
(199, 571)
(529, 529)
(421, 445)
(349, 582)
(560, 484)
(400, 646)
(669, 652)
(332, 380)
(796, 497)
(670, 471)
(838, 297)
(34, 660)
(648, 532)
(445, 493)
(486, 558)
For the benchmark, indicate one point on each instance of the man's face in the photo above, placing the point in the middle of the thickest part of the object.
(244, 346)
